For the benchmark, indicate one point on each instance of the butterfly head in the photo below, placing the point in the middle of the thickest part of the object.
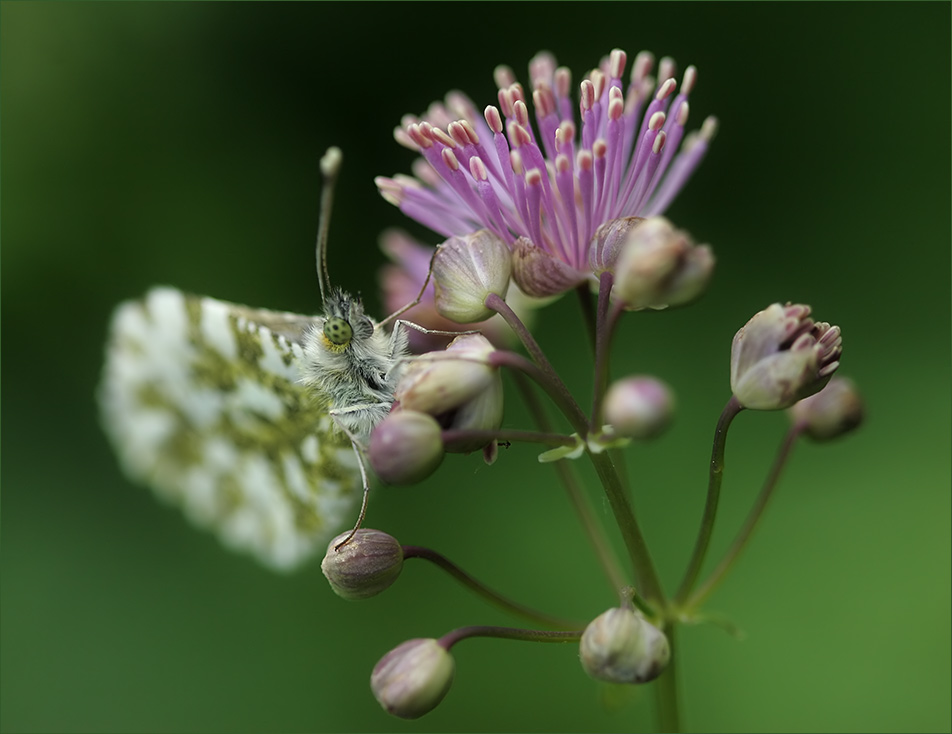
(345, 322)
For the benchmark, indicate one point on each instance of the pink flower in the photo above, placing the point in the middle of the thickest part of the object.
(546, 189)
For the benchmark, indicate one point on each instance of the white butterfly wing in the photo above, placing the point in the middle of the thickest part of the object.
(204, 403)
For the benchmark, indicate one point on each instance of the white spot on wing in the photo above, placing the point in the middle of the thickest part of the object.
(217, 328)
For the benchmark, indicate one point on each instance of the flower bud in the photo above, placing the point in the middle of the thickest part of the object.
(540, 275)
(466, 270)
(608, 242)
(621, 646)
(638, 407)
(781, 356)
(364, 566)
(412, 679)
(405, 447)
(835, 410)
(460, 387)
(659, 266)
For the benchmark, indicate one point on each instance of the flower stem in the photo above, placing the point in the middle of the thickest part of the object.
(415, 551)
(666, 689)
(548, 381)
(577, 498)
(507, 633)
(603, 336)
(643, 566)
(566, 402)
(588, 313)
(752, 519)
(715, 478)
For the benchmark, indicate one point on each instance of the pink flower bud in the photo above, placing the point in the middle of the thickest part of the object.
(412, 679)
(835, 410)
(781, 356)
(405, 448)
(364, 566)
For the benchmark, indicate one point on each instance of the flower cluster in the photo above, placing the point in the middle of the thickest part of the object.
(541, 206)
(546, 189)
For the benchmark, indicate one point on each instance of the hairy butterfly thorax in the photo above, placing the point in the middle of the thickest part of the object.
(354, 361)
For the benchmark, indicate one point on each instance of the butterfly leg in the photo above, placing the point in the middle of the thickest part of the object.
(438, 332)
(419, 296)
(359, 452)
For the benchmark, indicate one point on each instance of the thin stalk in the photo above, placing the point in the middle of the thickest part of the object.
(643, 566)
(588, 313)
(573, 412)
(666, 689)
(740, 542)
(493, 597)
(554, 388)
(602, 344)
(715, 478)
(507, 633)
(566, 474)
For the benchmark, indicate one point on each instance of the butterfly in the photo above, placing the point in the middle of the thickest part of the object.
(249, 420)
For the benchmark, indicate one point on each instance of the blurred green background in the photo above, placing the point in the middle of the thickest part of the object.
(178, 143)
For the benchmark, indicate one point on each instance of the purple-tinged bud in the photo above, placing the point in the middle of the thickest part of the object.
(459, 386)
(621, 646)
(540, 275)
(465, 271)
(660, 266)
(364, 566)
(638, 407)
(781, 356)
(412, 679)
(835, 410)
(608, 242)
(405, 447)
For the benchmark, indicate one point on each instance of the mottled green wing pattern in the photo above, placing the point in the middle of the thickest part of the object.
(204, 403)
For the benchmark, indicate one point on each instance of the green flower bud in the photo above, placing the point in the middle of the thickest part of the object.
(781, 356)
(621, 646)
(412, 679)
(405, 447)
(659, 266)
(460, 387)
(835, 410)
(465, 271)
(363, 567)
(638, 407)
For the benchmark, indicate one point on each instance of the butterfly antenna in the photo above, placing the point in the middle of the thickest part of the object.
(330, 167)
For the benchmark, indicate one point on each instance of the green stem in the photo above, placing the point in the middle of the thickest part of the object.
(666, 689)
(715, 478)
(493, 597)
(602, 344)
(566, 402)
(566, 474)
(554, 388)
(588, 313)
(507, 633)
(641, 562)
(752, 519)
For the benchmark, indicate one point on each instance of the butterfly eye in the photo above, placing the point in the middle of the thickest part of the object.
(338, 331)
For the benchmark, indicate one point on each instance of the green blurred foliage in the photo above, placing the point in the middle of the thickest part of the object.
(178, 143)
